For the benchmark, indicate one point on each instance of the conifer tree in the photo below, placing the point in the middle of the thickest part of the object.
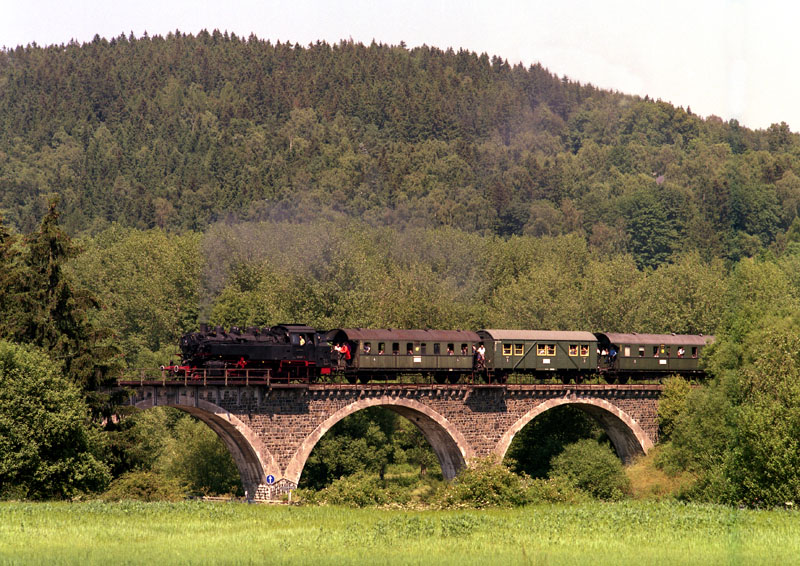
(10, 282)
(55, 312)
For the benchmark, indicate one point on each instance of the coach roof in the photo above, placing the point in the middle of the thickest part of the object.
(540, 335)
(657, 339)
(399, 335)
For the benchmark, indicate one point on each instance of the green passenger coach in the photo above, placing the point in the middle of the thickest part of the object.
(654, 354)
(566, 353)
(446, 355)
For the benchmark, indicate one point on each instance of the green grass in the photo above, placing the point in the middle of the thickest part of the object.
(231, 533)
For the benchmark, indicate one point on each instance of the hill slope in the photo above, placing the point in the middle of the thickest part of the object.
(183, 131)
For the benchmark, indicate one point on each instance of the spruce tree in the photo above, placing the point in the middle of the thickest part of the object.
(56, 312)
(10, 283)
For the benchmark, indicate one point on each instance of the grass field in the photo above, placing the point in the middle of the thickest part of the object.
(233, 533)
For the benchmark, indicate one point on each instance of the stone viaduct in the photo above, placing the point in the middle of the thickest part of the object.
(271, 430)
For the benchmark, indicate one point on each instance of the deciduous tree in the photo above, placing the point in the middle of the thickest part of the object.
(47, 448)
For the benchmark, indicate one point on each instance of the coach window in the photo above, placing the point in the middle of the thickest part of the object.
(694, 351)
(437, 349)
(506, 349)
(627, 351)
(464, 349)
(367, 347)
(410, 348)
(655, 351)
(381, 348)
(395, 348)
(573, 349)
(451, 349)
(519, 349)
(584, 350)
(423, 348)
(641, 351)
(546, 349)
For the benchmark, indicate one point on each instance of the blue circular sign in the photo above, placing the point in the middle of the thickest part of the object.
(270, 479)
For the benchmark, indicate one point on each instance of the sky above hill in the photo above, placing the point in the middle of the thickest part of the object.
(730, 58)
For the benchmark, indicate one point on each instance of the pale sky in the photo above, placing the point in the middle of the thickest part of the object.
(731, 58)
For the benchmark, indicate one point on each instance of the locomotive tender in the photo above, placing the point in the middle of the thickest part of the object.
(297, 353)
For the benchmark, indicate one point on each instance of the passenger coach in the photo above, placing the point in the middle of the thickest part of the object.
(445, 354)
(654, 354)
(566, 353)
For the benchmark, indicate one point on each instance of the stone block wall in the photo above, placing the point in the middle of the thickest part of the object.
(273, 430)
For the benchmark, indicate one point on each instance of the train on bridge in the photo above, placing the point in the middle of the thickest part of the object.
(292, 353)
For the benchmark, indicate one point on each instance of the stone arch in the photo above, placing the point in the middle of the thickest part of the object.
(253, 460)
(629, 439)
(450, 446)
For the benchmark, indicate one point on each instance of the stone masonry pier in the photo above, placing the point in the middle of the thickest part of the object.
(271, 431)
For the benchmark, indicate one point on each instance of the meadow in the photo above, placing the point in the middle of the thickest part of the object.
(236, 533)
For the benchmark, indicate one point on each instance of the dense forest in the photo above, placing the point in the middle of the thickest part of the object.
(151, 184)
(180, 132)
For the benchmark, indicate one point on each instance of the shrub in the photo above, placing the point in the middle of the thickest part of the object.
(593, 468)
(484, 484)
(555, 490)
(672, 403)
(358, 490)
(144, 486)
(195, 456)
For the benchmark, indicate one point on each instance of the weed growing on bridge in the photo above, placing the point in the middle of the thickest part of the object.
(216, 533)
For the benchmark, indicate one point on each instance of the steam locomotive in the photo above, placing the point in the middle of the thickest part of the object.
(293, 353)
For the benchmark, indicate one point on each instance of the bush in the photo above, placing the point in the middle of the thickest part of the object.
(546, 436)
(593, 468)
(144, 486)
(357, 490)
(672, 404)
(484, 484)
(555, 490)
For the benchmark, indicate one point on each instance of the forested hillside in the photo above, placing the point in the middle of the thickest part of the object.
(182, 131)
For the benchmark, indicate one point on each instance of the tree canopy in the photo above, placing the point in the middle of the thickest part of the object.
(183, 131)
(47, 446)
